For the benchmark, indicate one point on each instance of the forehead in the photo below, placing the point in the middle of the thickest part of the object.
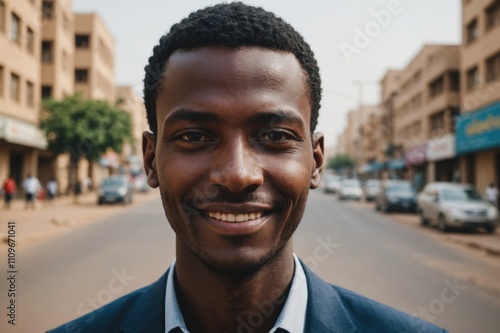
(217, 77)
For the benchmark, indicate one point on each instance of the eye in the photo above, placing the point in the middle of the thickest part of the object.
(274, 136)
(192, 137)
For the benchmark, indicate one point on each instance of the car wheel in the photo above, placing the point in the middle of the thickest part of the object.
(442, 224)
(423, 221)
(490, 229)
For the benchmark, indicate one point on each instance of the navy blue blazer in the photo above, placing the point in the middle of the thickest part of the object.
(330, 309)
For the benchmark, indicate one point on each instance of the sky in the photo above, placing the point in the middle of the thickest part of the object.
(354, 41)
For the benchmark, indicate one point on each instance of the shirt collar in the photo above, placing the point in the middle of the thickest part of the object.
(291, 319)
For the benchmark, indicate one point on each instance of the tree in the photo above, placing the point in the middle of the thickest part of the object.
(84, 129)
(340, 162)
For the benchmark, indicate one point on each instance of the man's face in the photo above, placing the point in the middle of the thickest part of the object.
(234, 158)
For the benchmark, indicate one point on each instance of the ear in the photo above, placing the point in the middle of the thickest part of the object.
(148, 152)
(318, 159)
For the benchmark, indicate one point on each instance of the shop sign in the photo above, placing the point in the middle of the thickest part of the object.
(478, 130)
(415, 155)
(18, 132)
(441, 148)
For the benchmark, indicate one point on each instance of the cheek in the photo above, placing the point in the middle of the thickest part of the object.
(293, 175)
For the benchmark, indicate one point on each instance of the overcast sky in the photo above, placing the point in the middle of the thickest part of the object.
(327, 25)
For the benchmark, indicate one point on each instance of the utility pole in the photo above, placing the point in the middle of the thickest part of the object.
(361, 84)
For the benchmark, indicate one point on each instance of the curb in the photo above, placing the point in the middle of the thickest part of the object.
(475, 245)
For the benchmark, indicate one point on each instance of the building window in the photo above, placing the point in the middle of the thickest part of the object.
(493, 68)
(82, 41)
(472, 31)
(30, 97)
(472, 78)
(437, 86)
(2, 16)
(47, 9)
(46, 92)
(47, 52)
(454, 79)
(30, 40)
(437, 123)
(493, 15)
(15, 28)
(81, 75)
(15, 87)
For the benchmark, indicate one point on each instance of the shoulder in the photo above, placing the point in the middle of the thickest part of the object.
(138, 311)
(335, 309)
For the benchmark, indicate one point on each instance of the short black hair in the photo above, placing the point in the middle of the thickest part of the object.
(232, 25)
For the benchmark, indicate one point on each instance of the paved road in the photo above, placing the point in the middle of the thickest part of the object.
(346, 244)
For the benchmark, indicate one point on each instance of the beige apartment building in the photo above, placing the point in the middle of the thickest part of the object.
(94, 67)
(424, 109)
(478, 127)
(128, 100)
(21, 141)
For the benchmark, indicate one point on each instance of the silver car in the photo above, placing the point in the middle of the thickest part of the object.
(350, 189)
(449, 205)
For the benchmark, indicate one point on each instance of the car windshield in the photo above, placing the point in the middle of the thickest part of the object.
(466, 194)
(113, 182)
(350, 183)
(400, 188)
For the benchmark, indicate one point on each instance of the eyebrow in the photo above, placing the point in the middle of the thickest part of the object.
(191, 115)
(279, 116)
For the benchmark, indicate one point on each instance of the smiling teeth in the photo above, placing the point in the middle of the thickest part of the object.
(234, 217)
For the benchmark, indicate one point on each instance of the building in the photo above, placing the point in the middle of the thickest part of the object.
(57, 74)
(423, 115)
(129, 101)
(94, 68)
(478, 127)
(21, 141)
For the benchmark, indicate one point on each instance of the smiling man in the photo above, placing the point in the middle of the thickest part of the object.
(232, 96)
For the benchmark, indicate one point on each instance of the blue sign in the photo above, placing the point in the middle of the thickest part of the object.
(478, 130)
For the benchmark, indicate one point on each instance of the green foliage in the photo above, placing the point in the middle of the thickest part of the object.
(340, 162)
(84, 128)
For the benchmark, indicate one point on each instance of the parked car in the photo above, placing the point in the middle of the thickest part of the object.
(140, 183)
(115, 189)
(332, 183)
(350, 189)
(396, 196)
(371, 189)
(451, 205)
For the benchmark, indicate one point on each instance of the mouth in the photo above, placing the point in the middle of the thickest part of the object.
(236, 218)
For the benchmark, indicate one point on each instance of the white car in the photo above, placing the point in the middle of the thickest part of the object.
(350, 189)
(332, 183)
(449, 205)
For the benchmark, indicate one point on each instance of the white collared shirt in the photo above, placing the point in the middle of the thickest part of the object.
(291, 319)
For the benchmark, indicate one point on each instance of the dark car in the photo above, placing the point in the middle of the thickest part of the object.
(396, 196)
(115, 189)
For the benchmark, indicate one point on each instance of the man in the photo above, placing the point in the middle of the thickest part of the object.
(9, 188)
(31, 186)
(232, 96)
(52, 189)
(492, 194)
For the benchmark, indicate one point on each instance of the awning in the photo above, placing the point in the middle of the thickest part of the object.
(21, 133)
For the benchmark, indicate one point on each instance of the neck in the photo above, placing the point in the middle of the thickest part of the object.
(214, 302)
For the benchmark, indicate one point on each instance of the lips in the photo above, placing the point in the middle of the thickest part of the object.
(230, 217)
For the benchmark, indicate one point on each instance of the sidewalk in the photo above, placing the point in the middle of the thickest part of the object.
(489, 243)
(61, 216)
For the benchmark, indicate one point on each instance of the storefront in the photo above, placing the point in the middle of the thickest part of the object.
(478, 145)
(442, 162)
(20, 144)
(415, 161)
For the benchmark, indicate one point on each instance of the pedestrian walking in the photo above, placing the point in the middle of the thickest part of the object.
(77, 190)
(52, 189)
(31, 186)
(492, 194)
(9, 188)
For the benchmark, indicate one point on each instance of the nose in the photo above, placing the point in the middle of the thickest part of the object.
(236, 167)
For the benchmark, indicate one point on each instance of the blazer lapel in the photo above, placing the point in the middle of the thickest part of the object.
(325, 312)
(148, 313)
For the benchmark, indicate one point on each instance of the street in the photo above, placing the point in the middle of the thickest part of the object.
(348, 244)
